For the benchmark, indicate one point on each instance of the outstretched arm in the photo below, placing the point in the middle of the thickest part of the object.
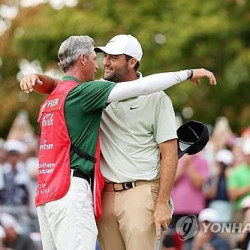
(124, 90)
(40, 83)
(157, 82)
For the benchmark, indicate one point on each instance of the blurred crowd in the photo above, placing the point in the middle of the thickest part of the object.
(19, 229)
(213, 186)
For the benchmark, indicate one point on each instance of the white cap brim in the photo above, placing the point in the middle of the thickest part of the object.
(122, 45)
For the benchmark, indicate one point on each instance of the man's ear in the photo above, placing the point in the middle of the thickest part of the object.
(83, 59)
(132, 62)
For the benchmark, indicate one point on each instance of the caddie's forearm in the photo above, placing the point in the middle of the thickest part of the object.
(147, 85)
(48, 85)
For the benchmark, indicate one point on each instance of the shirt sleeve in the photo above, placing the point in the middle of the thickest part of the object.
(164, 126)
(146, 85)
(94, 94)
(232, 181)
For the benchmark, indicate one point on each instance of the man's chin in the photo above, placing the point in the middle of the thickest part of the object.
(108, 77)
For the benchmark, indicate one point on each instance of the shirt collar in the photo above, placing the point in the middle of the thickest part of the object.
(66, 78)
(139, 74)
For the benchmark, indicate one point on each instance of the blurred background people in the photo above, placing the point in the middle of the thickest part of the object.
(187, 193)
(13, 238)
(216, 187)
(32, 163)
(192, 172)
(243, 239)
(208, 240)
(2, 152)
(238, 156)
(172, 241)
(2, 238)
(239, 182)
(14, 194)
(2, 160)
(221, 136)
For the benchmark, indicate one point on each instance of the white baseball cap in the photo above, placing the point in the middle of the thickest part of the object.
(246, 202)
(2, 233)
(208, 214)
(123, 44)
(225, 156)
(246, 146)
(15, 146)
(8, 221)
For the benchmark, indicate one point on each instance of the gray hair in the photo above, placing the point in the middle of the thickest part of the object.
(72, 48)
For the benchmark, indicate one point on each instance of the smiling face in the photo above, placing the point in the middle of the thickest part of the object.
(117, 68)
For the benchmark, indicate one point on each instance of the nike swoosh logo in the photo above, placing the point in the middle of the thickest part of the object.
(132, 108)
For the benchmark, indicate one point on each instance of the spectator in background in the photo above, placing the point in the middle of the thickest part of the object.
(222, 134)
(244, 238)
(238, 156)
(172, 241)
(13, 238)
(221, 137)
(187, 193)
(32, 164)
(245, 132)
(239, 182)
(2, 238)
(14, 195)
(2, 152)
(207, 239)
(216, 187)
(192, 172)
(2, 160)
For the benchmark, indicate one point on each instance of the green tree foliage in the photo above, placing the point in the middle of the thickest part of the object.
(174, 35)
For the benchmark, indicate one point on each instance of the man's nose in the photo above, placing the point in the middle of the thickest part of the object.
(106, 61)
(96, 66)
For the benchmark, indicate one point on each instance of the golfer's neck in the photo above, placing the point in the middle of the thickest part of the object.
(130, 77)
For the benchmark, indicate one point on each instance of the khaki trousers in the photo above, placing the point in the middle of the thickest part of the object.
(127, 220)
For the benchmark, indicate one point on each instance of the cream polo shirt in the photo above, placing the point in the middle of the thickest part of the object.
(130, 133)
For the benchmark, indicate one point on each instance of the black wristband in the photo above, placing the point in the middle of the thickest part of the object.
(191, 74)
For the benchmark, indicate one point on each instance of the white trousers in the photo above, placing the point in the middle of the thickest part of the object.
(69, 223)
